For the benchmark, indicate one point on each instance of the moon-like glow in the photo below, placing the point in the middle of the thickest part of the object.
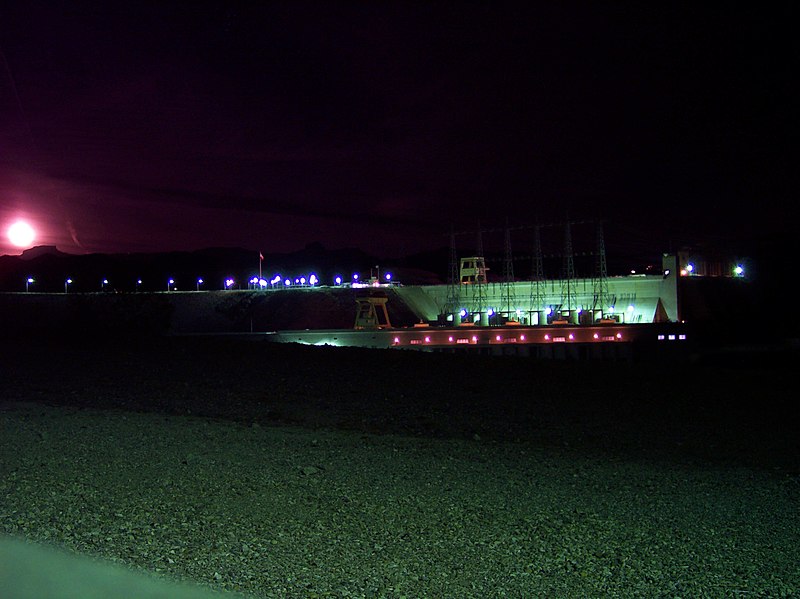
(21, 234)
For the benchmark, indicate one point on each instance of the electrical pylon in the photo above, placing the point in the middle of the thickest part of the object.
(537, 274)
(453, 301)
(568, 284)
(601, 274)
(508, 298)
(479, 288)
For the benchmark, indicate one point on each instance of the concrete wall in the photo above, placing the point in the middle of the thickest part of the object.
(318, 308)
(641, 292)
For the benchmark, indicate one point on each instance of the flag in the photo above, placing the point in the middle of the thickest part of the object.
(260, 255)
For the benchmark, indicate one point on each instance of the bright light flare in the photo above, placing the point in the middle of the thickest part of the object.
(21, 234)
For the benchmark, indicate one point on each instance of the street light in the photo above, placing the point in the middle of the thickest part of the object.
(103, 285)
(229, 283)
(170, 283)
(199, 282)
(138, 283)
(28, 282)
(66, 285)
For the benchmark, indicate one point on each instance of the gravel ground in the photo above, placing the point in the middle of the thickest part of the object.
(321, 476)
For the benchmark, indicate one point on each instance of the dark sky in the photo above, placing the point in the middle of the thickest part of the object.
(143, 126)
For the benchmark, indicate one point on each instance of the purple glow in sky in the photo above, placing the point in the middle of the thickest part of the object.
(157, 126)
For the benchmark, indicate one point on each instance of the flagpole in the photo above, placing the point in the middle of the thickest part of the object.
(260, 260)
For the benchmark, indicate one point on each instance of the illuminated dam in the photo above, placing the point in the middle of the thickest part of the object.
(633, 299)
(519, 318)
(550, 318)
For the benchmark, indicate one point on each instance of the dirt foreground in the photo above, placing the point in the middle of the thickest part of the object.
(316, 472)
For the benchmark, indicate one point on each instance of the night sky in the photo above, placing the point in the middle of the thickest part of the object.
(128, 127)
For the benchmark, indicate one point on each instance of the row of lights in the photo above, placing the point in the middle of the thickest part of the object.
(499, 338)
(262, 283)
(104, 283)
(255, 282)
(548, 311)
(688, 270)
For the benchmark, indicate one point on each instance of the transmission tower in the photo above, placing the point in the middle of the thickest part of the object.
(537, 274)
(508, 298)
(453, 301)
(479, 288)
(601, 274)
(568, 284)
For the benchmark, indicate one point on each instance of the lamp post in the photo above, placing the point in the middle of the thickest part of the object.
(170, 283)
(103, 285)
(28, 282)
(199, 282)
(66, 285)
(138, 283)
